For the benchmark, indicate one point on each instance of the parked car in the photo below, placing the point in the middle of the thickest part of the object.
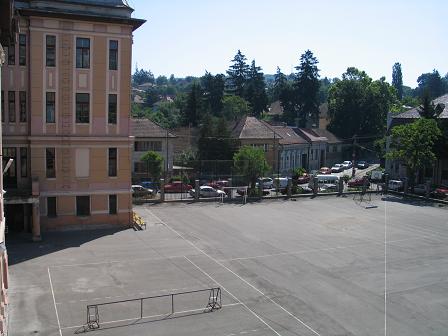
(207, 191)
(325, 182)
(395, 185)
(359, 182)
(362, 164)
(441, 192)
(420, 189)
(140, 191)
(305, 178)
(337, 168)
(376, 176)
(150, 185)
(218, 184)
(281, 183)
(347, 164)
(266, 182)
(325, 171)
(177, 187)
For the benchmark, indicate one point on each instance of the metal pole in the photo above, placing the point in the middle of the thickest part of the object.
(141, 308)
(354, 156)
(172, 304)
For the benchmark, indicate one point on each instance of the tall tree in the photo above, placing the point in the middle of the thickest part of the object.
(358, 105)
(213, 92)
(307, 86)
(413, 144)
(193, 108)
(431, 82)
(251, 163)
(237, 75)
(255, 92)
(397, 80)
(280, 83)
(142, 76)
(154, 164)
(235, 107)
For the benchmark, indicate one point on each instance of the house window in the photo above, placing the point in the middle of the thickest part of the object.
(112, 162)
(51, 207)
(3, 106)
(23, 162)
(82, 53)
(82, 108)
(50, 108)
(113, 55)
(50, 51)
(112, 204)
(22, 105)
(445, 174)
(22, 49)
(11, 55)
(50, 162)
(112, 115)
(82, 206)
(12, 106)
(144, 146)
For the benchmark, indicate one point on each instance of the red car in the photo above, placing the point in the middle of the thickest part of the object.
(305, 178)
(441, 192)
(358, 182)
(177, 187)
(325, 171)
(218, 184)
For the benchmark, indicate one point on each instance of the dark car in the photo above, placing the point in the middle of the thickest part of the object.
(150, 185)
(177, 187)
(362, 164)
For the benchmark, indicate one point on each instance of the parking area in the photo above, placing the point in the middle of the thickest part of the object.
(305, 267)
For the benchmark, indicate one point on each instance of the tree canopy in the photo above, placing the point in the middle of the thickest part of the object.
(237, 75)
(251, 163)
(397, 80)
(154, 164)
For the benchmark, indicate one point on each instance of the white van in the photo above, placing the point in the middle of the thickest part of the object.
(325, 181)
(280, 183)
(395, 185)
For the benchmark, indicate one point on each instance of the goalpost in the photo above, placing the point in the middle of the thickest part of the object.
(235, 193)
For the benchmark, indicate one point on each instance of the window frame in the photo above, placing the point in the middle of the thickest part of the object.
(50, 162)
(23, 113)
(82, 53)
(54, 207)
(12, 55)
(112, 111)
(48, 104)
(113, 205)
(79, 212)
(22, 49)
(50, 50)
(113, 55)
(12, 106)
(82, 107)
(112, 162)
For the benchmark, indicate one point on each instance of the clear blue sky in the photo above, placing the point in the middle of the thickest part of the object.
(187, 37)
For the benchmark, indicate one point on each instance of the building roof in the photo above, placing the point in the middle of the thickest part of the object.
(275, 108)
(331, 138)
(414, 113)
(311, 135)
(145, 128)
(288, 136)
(252, 128)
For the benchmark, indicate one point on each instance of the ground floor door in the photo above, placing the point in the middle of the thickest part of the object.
(18, 218)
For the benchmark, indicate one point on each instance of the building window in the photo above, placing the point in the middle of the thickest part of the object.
(112, 162)
(113, 55)
(22, 105)
(51, 207)
(82, 108)
(112, 115)
(112, 204)
(12, 106)
(50, 51)
(445, 174)
(50, 162)
(23, 162)
(82, 206)
(144, 146)
(22, 49)
(11, 55)
(3, 106)
(82, 53)
(50, 108)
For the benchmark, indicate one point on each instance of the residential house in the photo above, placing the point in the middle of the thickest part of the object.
(149, 136)
(250, 131)
(336, 148)
(317, 147)
(66, 122)
(437, 173)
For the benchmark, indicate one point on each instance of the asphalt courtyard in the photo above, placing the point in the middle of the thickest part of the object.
(328, 266)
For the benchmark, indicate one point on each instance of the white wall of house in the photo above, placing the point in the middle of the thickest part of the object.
(291, 157)
(160, 145)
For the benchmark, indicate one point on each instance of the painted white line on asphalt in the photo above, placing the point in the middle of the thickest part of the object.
(167, 316)
(235, 274)
(234, 297)
(54, 302)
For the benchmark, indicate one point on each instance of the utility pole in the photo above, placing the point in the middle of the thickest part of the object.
(354, 156)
